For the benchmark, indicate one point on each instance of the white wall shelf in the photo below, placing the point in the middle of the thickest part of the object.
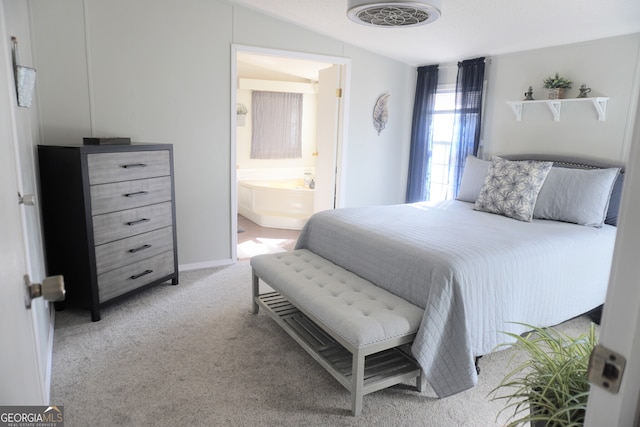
(599, 103)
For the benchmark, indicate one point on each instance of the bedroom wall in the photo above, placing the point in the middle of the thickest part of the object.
(609, 66)
(377, 165)
(159, 71)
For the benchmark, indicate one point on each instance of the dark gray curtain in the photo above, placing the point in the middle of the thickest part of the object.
(276, 125)
(466, 138)
(421, 134)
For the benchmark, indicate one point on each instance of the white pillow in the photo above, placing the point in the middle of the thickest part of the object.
(475, 170)
(580, 196)
(511, 187)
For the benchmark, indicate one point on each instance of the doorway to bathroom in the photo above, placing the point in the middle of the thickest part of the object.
(274, 197)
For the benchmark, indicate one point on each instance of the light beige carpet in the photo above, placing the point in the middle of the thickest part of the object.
(194, 355)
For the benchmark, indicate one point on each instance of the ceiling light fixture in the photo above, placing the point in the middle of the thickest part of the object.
(393, 13)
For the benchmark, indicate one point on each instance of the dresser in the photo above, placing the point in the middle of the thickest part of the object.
(109, 221)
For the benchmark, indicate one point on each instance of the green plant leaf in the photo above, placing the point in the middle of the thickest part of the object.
(552, 379)
(557, 82)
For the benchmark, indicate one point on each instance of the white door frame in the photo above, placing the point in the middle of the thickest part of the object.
(621, 316)
(329, 105)
(342, 131)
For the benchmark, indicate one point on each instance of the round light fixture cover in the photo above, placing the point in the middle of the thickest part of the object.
(393, 13)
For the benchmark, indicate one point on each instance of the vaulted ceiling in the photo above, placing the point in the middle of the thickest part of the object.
(466, 28)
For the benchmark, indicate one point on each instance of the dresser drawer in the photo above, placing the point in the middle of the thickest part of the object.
(129, 194)
(122, 224)
(124, 166)
(125, 279)
(133, 249)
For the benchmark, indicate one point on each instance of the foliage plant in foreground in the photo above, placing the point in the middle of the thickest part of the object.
(550, 386)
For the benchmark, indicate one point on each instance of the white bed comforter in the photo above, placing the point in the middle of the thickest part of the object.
(474, 273)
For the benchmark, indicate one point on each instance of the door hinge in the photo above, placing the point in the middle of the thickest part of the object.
(27, 199)
(606, 368)
(339, 92)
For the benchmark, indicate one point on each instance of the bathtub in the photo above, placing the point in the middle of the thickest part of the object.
(275, 203)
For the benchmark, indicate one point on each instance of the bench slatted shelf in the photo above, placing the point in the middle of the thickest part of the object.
(361, 369)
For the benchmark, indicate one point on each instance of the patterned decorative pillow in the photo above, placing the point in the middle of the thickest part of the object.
(511, 187)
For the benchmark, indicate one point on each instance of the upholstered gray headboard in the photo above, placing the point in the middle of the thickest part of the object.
(584, 163)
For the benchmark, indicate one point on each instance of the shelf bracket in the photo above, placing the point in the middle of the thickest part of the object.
(600, 104)
(555, 106)
(517, 109)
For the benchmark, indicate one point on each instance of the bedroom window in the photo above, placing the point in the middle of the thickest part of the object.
(276, 125)
(443, 122)
(445, 130)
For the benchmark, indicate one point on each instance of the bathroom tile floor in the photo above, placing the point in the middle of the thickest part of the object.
(255, 240)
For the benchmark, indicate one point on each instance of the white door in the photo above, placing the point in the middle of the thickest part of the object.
(329, 101)
(25, 333)
(19, 363)
(620, 330)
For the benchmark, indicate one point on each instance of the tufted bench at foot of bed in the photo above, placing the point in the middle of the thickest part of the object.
(358, 332)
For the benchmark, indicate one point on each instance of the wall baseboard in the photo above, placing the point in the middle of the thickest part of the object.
(206, 264)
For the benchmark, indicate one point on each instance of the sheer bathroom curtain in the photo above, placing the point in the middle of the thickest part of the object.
(276, 125)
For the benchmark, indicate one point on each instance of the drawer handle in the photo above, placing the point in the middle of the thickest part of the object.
(134, 165)
(140, 248)
(144, 273)
(139, 221)
(137, 193)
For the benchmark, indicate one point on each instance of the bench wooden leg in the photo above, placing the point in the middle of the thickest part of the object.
(256, 291)
(421, 382)
(357, 383)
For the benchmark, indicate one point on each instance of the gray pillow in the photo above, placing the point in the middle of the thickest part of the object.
(580, 196)
(475, 170)
(614, 201)
(511, 187)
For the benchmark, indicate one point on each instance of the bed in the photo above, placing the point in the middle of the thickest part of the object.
(478, 271)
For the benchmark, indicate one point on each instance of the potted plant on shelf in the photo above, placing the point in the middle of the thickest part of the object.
(557, 85)
(550, 387)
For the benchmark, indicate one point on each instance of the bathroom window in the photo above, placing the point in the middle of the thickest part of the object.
(276, 125)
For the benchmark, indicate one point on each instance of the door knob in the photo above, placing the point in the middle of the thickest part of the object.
(51, 289)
